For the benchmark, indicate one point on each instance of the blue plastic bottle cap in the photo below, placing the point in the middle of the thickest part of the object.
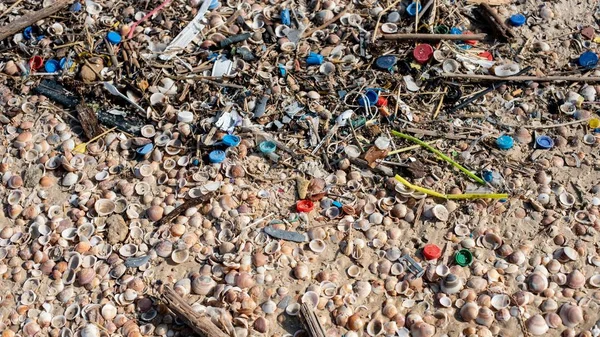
(544, 142)
(517, 20)
(27, 33)
(314, 59)
(588, 59)
(213, 4)
(285, 17)
(455, 31)
(52, 66)
(413, 9)
(505, 142)
(144, 150)
(385, 62)
(372, 97)
(113, 37)
(216, 156)
(231, 140)
(267, 147)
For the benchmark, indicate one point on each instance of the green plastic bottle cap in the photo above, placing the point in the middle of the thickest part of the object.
(463, 257)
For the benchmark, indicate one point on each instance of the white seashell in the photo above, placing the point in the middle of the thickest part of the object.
(293, 309)
(128, 250)
(389, 28)
(104, 207)
(269, 307)
(500, 301)
(317, 245)
(90, 330)
(450, 66)
(506, 70)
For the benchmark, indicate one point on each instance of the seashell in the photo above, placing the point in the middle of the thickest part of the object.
(15, 182)
(317, 245)
(355, 322)
(491, 241)
(398, 211)
(450, 66)
(536, 282)
(440, 212)
(109, 311)
(128, 250)
(536, 325)
(389, 28)
(353, 271)
(571, 315)
(376, 218)
(575, 279)
(155, 213)
(375, 327)
(301, 271)
(180, 255)
(311, 298)
(451, 284)
(485, 316)
(327, 68)
(548, 305)
(506, 69)
(422, 329)
(566, 199)
(85, 276)
(70, 179)
(11, 68)
(203, 285)
(104, 207)
(594, 280)
(90, 330)
(500, 301)
(469, 311)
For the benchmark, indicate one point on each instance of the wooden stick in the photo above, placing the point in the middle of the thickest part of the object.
(31, 18)
(311, 321)
(476, 37)
(491, 21)
(201, 325)
(524, 78)
(485, 7)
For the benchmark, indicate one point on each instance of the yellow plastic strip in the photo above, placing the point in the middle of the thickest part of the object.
(452, 196)
(441, 155)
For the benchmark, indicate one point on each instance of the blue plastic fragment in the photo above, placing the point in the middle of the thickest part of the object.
(372, 96)
(284, 235)
(213, 4)
(337, 204)
(413, 9)
(487, 175)
(285, 17)
(505, 142)
(27, 33)
(76, 7)
(588, 59)
(144, 150)
(267, 147)
(314, 59)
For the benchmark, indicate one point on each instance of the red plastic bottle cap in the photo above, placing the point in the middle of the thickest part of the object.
(36, 62)
(432, 252)
(381, 101)
(486, 55)
(304, 206)
(470, 42)
(423, 53)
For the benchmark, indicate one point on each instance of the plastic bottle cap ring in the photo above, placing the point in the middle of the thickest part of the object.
(431, 252)
(423, 53)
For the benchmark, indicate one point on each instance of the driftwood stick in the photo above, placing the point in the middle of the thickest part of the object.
(311, 321)
(476, 37)
(486, 8)
(525, 78)
(201, 325)
(31, 18)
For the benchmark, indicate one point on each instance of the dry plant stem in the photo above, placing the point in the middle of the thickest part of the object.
(498, 19)
(335, 18)
(311, 321)
(380, 16)
(201, 325)
(525, 78)
(31, 18)
(162, 223)
(476, 37)
(11, 8)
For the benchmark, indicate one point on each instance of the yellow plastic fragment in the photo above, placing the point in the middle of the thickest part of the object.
(452, 196)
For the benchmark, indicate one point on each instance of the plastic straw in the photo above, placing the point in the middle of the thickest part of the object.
(441, 155)
(452, 196)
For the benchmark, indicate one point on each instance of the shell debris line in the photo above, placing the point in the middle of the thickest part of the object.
(299, 168)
